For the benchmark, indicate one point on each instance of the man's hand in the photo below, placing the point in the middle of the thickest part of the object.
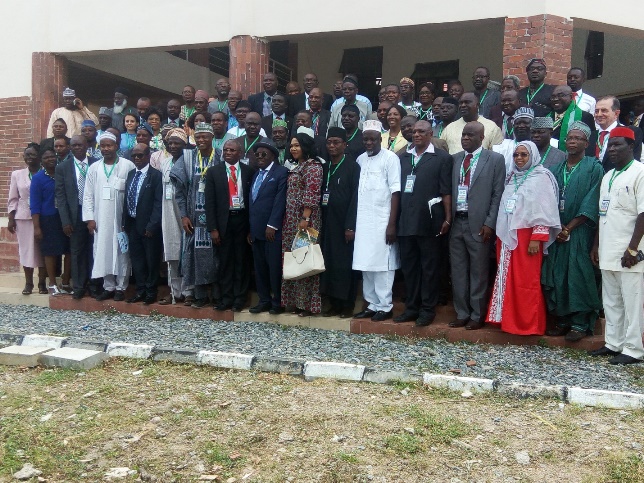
(270, 234)
(187, 225)
(594, 255)
(68, 230)
(11, 226)
(390, 234)
(533, 247)
(444, 228)
(628, 260)
(487, 233)
(37, 233)
(78, 103)
(349, 236)
(91, 226)
(563, 235)
(216, 239)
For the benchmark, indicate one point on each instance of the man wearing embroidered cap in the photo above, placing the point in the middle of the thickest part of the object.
(617, 251)
(73, 113)
(375, 247)
(567, 276)
(407, 96)
(521, 126)
(541, 134)
(104, 120)
(103, 200)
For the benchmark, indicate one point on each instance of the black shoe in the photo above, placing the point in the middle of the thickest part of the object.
(624, 359)
(603, 351)
(557, 331)
(332, 312)
(346, 313)
(382, 315)
(238, 308)
(575, 336)
(200, 303)
(424, 320)
(78, 294)
(106, 294)
(259, 308)
(222, 307)
(150, 299)
(406, 317)
(365, 314)
(119, 296)
(474, 325)
(277, 310)
(139, 297)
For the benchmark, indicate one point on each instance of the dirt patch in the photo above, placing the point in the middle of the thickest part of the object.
(181, 423)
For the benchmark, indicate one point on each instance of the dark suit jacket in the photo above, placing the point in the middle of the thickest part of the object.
(607, 163)
(587, 119)
(486, 187)
(270, 204)
(540, 103)
(148, 205)
(298, 103)
(256, 102)
(66, 190)
(218, 196)
(267, 124)
(433, 178)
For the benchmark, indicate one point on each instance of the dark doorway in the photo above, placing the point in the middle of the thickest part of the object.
(366, 63)
(438, 73)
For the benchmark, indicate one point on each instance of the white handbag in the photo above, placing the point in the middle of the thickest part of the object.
(303, 262)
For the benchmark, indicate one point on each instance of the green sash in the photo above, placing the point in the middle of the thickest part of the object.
(572, 114)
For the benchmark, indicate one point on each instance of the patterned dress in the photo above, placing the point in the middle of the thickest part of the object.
(303, 191)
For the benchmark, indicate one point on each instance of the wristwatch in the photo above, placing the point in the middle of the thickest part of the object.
(632, 253)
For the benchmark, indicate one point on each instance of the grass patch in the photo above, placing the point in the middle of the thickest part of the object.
(624, 468)
(347, 457)
(438, 428)
(53, 376)
(216, 454)
(403, 444)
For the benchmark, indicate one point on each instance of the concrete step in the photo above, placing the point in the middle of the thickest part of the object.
(70, 358)
(20, 355)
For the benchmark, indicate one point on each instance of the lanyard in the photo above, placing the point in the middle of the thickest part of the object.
(216, 144)
(201, 166)
(353, 135)
(543, 159)
(220, 106)
(567, 175)
(517, 186)
(232, 176)
(530, 98)
(505, 124)
(484, 96)
(617, 173)
(246, 146)
(331, 173)
(80, 168)
(281, 156)
(473, 161)
(424, 114)
(107, 175)
(440, 129)
(600, 144)
(392, 143)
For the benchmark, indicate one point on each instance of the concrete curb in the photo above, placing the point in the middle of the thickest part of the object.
(312, 370)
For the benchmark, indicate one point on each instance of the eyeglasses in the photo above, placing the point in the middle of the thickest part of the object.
(229, 150)
(477, 76)
(139, 156)
(262, 154)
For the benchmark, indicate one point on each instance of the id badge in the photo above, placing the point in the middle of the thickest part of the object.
(236, 202)
(510, 205)
(168, 191)
(107, 193)
(202, 186)
(603, 207)
(461, 197)
(562, 203)
(409, 184)
(244, 160)
(325, 198)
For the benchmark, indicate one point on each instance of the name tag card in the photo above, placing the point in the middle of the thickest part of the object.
(562, 204)
(107, 193)
(168, 191)
(409, 183)
(202, 186)
(236, 202)
(603, 207)
(325, 198)
(510, 205)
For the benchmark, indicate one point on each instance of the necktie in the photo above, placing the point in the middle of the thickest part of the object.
(131, 195)
(80, 181)
(466, 169)
(232, 184)
(600, 144)
(574, 96)
(258, 183)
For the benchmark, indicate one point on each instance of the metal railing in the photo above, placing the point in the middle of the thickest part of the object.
(283, 72)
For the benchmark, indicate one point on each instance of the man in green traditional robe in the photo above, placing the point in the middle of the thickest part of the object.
(568, 276)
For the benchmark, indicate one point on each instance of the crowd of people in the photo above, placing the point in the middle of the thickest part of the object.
(213, 190)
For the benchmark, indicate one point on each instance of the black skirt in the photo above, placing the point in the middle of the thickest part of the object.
(54, 241)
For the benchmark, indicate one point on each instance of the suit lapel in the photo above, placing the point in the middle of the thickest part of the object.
(480, 164)
(456, 171)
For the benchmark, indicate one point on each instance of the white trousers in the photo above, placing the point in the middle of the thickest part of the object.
(115, 282)
(623, 298)
(176, 280)
(377, 289)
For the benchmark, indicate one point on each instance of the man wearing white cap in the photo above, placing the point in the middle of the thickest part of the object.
(73, 113)
(375, 247)
(523, 118)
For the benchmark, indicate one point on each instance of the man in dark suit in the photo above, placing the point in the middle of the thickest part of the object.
(607, 112)
(267, 204)
(261, 102)
(478, 180)
(563, 112)
(142, 223)
(320, 116)
(301, 102)
(70, 185)
(426, 174)
(537, 95)
(173, 108)
(279, 105)
(227, 188)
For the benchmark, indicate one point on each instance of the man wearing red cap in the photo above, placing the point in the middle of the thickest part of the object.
(617, 251)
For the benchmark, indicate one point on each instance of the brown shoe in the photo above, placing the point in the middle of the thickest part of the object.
(189, 300)
(474, 325)
(459, 323)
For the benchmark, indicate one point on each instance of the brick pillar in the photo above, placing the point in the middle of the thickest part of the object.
(546, 36)
(248, 63)
(48, 80)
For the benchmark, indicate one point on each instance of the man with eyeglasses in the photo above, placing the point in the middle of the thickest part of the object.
(564, 112)
(254, 134)
(188, 108)
(349, 91)
(488, 96)
(300, 102)
(220, 103)
(227, 191)
(537, 94)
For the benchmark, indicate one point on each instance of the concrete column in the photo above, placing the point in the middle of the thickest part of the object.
(248, 63)
(545, 36)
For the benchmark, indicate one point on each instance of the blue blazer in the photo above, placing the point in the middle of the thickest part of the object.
(269, 206)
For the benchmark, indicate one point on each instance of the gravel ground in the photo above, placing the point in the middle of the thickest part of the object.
(526, 364)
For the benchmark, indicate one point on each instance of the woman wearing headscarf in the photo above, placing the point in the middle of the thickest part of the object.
(302, 211)
(528, 222)
(20, 222)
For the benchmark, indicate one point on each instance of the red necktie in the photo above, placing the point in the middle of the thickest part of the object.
(232, 184)
(602, 137)
(574, 96)
(466, 169)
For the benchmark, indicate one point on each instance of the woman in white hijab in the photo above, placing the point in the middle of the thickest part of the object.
(528, 222)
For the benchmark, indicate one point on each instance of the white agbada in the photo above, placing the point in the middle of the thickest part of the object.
(170, 216)
(379, 179)
(107, 213)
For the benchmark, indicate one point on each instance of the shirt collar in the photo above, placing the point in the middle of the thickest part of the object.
(81, 161)
(412, 150)
(268, 168)
(609, 128)
(476, 152)
(236, 166)
(145, 170)
(275, 116)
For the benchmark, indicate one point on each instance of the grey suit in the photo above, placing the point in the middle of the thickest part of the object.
(469, 255)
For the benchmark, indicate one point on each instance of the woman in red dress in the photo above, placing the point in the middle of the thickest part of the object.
(527, 224)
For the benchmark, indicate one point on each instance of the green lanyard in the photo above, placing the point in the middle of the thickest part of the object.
(107, 175)
(281, 156)
(232, 176)
(517, 186)
(246, 146)
(331, 173)
(424, 114)
(440, 129)
(392, 144)
(201, 166)
(353, 135)
(505, 124)
(527, 94)
(567, 175)
(473, 161)
(484, 96)
(220, 106)
(543, 159)
(216, 144)
(617, 173)
(83, 171)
